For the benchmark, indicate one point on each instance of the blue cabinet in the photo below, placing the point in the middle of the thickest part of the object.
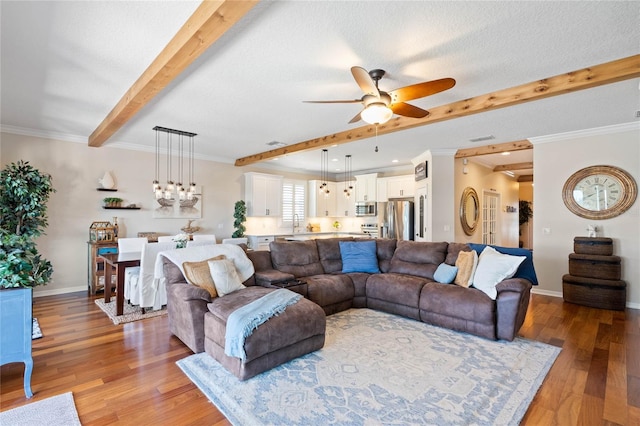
(16, 324)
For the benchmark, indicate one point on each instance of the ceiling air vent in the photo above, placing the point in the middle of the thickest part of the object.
(276, 144)
(637, 114)
(482, 138)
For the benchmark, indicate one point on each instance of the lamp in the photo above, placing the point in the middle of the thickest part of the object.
(166, 196)
(324, 172)
(348, 185)
(376, 113)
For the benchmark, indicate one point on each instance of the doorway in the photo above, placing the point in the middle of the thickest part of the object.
(490, 217)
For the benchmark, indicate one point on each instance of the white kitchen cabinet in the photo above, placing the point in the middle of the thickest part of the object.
(400, 186)
(345, 207)
(260, 242)
(263, 194)
(366, 187)
(321, 205)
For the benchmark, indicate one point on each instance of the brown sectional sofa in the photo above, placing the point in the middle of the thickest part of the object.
(404, 286)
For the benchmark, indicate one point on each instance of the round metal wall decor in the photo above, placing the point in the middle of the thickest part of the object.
(469, 210)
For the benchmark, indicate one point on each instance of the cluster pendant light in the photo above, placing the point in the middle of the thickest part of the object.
(348, 184)
(324, 172)
(175, 155)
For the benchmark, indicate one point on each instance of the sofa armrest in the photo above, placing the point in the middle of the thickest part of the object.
(511, 306)
(261, 260)
(268, 277)
(187, 292)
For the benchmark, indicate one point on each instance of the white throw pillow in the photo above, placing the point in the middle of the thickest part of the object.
(494, 267)
(225, 277)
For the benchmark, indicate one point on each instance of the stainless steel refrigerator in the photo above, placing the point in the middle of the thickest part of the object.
(397, 220)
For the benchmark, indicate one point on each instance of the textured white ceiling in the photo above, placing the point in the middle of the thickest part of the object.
(65, 64)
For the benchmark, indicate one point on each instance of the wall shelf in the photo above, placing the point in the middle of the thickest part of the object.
(107, 189)
(120, 208)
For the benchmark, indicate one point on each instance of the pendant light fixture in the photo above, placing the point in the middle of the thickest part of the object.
(174, 155)
(324, 172)
(348, 185)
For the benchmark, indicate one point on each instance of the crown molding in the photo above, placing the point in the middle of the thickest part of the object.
(597, 131)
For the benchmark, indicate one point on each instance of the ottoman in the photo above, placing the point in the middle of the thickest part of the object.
(299, 330)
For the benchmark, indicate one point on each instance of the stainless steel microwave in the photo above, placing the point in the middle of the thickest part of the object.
(365, 208)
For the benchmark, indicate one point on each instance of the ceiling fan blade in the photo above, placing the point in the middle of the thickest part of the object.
(408, 110)
(364, 80)
(421, 90)
(355, 101)
(355, 119)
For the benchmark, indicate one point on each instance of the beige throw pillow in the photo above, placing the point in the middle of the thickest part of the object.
(225, 276)
(198, 274)
(467, 262)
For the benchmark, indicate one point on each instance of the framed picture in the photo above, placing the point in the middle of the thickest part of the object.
(421, 171)
(178, 209)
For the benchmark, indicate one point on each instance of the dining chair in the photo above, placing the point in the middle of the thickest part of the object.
(129, 245)
(145, 290)
(204, 237)
(193, 243)
(165, 238)
(238, 241)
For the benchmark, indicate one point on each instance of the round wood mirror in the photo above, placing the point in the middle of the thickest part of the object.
(469, 210)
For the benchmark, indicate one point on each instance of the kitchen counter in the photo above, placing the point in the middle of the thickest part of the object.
(261, 241)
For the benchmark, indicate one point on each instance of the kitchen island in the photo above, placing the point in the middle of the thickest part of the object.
(261, 242)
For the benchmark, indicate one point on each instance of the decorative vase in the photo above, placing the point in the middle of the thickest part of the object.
(107, 181)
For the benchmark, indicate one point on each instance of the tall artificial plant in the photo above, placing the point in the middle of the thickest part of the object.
(24, 192)
(240, 216)
(525, 211)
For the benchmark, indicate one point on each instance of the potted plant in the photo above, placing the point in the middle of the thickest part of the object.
(24, 192)
(112, 202)
(240, 216)
(525, 213)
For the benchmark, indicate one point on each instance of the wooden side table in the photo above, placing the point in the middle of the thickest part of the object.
(95, 265)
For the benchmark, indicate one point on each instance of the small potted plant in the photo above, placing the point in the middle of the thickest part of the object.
(112, 202)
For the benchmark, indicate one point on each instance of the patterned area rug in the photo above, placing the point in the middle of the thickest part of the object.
(55, 411)
(130, 313)
(36, 333)
(377, 368)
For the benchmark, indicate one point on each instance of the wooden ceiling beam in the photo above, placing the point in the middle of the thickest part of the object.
(525, 178)
(597, 75)
(514, 166)
(210, 21)
(494, 149)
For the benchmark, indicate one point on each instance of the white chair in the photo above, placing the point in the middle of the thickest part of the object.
(204, 237)
(235, 240)
(129, 245)
(200, 243)
(165, 238)
(145, 290)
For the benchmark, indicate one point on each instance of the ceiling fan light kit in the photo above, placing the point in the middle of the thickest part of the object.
(379, 106)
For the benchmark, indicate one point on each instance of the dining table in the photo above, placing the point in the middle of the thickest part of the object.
(119, 261)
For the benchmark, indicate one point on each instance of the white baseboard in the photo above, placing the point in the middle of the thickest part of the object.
(629, 305)
(42, 293)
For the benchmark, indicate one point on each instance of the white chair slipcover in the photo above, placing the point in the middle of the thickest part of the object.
(145, 290)
(128, 245)
(165, 238)
(235, 240)
(204, 237)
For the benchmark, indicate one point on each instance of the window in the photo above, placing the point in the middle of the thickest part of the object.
(293, 202)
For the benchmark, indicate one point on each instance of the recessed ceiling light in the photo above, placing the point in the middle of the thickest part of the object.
(394, 161)
(334, 159)
(505, 153)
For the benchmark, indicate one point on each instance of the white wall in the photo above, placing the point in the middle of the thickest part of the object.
(443, 196)
(557, 158)
(76, 168)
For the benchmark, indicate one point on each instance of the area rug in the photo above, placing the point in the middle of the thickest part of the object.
(36, 333)
(55, 411)
(377, 368)
(130, 313)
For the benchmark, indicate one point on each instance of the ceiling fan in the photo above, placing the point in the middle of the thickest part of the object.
(379, 105)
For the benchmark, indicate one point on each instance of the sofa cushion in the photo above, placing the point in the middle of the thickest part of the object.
(326, 290)
(445, 274)
(525, 270)
(457, 302)
(399, 289)
(198, 274)
(329, 252)
(467, 263)
(418, 258)
(359, 256)
(453, 249)
(299, 258)
(494, 267)
(225, 277)
(385, 250)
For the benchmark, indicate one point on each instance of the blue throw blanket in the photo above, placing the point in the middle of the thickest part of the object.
(244, 320)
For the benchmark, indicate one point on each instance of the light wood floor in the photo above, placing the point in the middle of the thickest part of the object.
(127, 374)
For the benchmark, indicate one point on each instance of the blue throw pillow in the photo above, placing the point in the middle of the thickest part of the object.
(445, 274)
(359, 256)
(526, 269)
